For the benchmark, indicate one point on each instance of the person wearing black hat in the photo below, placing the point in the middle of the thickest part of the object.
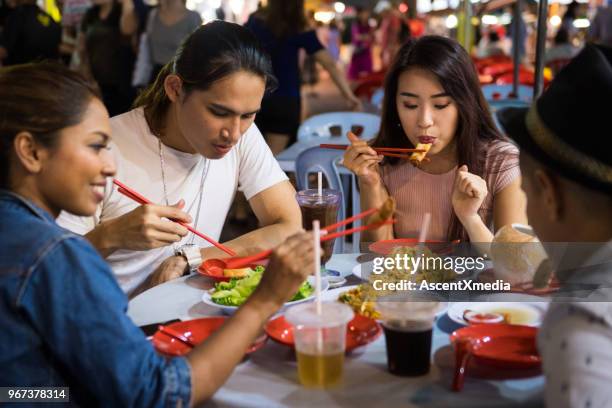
(567, 175)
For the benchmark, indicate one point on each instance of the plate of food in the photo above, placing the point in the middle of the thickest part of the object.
(359, 331)
(228, 296)
(433, 270)
(528, 313)
(196, 331)
(362, 298)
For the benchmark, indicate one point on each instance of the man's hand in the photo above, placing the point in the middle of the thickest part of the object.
(172, 268)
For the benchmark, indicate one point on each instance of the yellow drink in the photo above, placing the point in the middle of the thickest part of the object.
(320, 370)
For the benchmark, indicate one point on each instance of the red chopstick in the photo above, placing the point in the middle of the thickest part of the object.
(350, 219)
(168, 331)
(356, 229)
(381, 150)
(238, 263)
(128, 192)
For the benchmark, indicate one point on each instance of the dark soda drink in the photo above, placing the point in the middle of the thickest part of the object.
(408, 348)
(323, 208)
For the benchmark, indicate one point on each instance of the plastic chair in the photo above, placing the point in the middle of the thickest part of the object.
(326, 161)
(525, 78)
(496, 106)
(321, 125)
(495, 92)
(368, 84)
(377, 98)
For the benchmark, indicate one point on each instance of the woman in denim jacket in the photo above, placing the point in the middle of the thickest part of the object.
(63, 315)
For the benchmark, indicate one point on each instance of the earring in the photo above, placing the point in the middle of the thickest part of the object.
(399, 125)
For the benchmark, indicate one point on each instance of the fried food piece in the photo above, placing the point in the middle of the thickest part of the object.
(358, 300)
(236, 273)
(384, 212)
(416, 158)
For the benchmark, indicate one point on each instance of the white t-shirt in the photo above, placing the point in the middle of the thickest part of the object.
(249, 167)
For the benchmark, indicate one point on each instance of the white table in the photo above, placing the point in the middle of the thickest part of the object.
(268, 378)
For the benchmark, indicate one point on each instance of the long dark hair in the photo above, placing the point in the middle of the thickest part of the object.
(285, 18)
(211, 53)
(449, 62)
(41, 99)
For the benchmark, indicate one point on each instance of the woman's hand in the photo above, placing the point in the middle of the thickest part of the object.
(362, 160)
(469, 192)
(145, 228)
(290, 264)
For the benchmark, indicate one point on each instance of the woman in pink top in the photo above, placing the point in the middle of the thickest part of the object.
(471, 182)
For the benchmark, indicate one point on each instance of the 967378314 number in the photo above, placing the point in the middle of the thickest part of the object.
(34, 394)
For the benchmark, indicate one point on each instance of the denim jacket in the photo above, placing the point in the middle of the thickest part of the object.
(63, 320)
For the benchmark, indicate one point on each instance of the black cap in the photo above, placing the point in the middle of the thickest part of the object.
(569, 128)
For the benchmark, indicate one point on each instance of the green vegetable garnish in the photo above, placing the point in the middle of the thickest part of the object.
(237, 290)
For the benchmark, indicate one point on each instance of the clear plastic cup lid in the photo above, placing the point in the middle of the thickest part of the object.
(407, 310)
(328, 195)
(332, 314)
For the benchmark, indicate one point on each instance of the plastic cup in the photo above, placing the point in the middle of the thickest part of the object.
(408, 328)
(323, 208)
(320, 342)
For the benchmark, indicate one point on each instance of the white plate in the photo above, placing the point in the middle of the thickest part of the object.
(333, 294)
(532, 311)
(206, 298)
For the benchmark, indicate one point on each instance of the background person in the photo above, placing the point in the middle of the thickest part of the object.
(282, 29)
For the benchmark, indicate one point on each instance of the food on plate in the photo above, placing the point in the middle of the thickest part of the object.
(516, 255)
(361, 300)
(237, 290)
(474, 317)
(431, 267)
(416, 158)
(236, 273)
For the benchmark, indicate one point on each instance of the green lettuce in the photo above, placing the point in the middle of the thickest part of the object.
(237, 290)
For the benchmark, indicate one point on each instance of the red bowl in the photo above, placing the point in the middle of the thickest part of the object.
(213, 268)
(359, 331)
(500, 345)
(196, 330)
(385, 247)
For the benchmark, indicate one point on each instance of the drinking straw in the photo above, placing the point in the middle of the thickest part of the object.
(423, 236)
(424, 228)
(316, 227)
(320, 184)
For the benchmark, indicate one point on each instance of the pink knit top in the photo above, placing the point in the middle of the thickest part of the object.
(417, 192)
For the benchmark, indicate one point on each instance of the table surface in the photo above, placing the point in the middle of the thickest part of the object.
(268, 378)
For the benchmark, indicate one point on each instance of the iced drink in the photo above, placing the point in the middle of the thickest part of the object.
(323, 208)
(408, 328)
(320, 342)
